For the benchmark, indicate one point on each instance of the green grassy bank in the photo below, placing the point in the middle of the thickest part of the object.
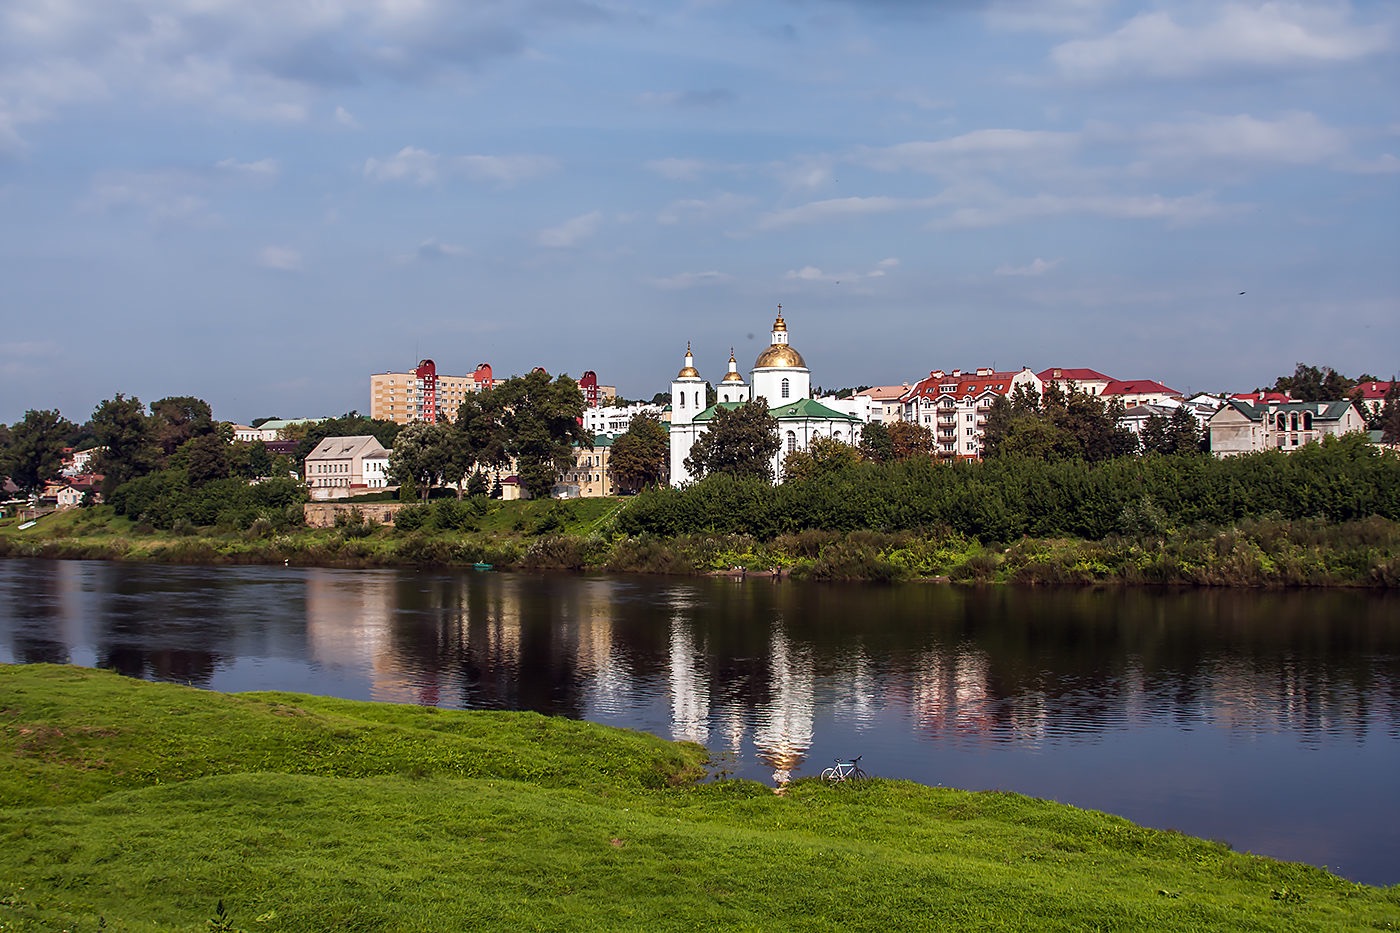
(126, 805)
(583, 535)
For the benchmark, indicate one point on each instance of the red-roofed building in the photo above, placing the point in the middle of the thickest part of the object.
(1370, 397)
(1263, 398)
(954, 406)
(1133, 392)
(1088, 381)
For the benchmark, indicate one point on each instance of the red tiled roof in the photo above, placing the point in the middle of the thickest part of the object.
(1371, 390)
(1261, 398)
(964, 384)
(1072, 375)
(1137, 387)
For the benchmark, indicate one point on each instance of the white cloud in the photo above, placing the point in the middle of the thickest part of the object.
(1268, 35)
(1384, 164)
(1053, 16)
(1178, 211)
(164, 197)
(432, 249)
(263, 168)
(978, 150)
(1037, 266)
(408, 164)
(677, 169)
(1294, 139)
(426, 168)
(683, 280)
(838, 208)
(346, 119)
(702, 209)
(506, 170)
(279, 258)
(571, 231)
(815, 274)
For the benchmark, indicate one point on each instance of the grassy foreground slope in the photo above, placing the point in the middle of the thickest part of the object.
(134, 806)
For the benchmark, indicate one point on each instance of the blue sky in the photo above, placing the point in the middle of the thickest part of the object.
(261, 202)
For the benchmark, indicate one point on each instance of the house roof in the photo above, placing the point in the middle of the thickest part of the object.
(1321, 411)
(1138, 387)
(346, 448)
(1372, 391)
(277, 424)
(885, 393)
(804, 409)
(1057, 373)
(964, 384)
(1258, 398)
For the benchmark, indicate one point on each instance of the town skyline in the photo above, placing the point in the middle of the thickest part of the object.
(262, 210)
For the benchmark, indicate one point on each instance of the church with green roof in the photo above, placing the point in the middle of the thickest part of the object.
(780, 378)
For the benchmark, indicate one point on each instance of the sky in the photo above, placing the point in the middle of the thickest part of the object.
(262, 202)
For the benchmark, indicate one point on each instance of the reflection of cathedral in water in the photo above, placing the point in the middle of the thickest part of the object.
(783, 729)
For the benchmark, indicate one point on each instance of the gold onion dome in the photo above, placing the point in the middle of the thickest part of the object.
(733, 374)
(688, 371)
(780, 354)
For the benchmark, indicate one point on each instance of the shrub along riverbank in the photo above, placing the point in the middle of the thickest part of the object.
(1325, 515)
(128, 805)
(583, 535)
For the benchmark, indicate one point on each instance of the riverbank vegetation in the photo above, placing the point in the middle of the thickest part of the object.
(127, 805)
(1325, 515)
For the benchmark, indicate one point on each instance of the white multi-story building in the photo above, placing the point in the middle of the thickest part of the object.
(1245, 427)
(341, 466)
(954, 406)
(614, 419)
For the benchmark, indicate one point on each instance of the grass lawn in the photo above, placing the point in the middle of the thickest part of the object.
(126, 805)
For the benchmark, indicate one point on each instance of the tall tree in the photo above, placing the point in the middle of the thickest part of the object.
(350, 424)
(424, 455)
(35, 451)
(824, 457)
(875, 443)
(124, 431)
(542, 423)
(1315, 384)
(741, 442)
(640, 457)
(909, 440)
(177, 419)
(205, 458)
(1390, 414)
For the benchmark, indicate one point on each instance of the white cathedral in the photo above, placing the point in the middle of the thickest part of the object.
(781, 378)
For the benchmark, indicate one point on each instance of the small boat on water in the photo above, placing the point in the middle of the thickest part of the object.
(481, 565)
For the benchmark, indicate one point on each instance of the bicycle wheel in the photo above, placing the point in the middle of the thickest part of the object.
(858, 774)
(831, 774)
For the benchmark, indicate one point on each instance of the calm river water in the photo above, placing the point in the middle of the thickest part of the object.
(1268, 720)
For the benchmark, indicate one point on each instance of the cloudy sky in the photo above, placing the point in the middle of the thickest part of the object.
(262, 202)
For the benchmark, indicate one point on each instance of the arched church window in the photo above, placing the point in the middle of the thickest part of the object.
(1307, 421)
(697, 399)
(682, 399)
(787, 388)
(791, 441)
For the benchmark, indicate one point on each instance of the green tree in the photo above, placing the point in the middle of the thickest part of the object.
(909, 440)
(34, 453)
(481, 437)
(875, 443)
(640, 457)
(1390, 414)
(740, 442)
(1315, 384)
(204, 458)
(250, 460)
(178, 419)
(822, 458)
(124, 432)
(350, 424)
(424, 455)
(541, 423)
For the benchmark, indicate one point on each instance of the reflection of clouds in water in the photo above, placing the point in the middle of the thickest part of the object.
(783, 727)
(690, 691)
(857, 694)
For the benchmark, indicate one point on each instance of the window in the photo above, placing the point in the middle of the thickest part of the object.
(968, 419)
(787, 387)
(971, 432)
(791, 439)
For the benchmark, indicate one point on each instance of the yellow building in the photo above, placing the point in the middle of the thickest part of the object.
(423, 395)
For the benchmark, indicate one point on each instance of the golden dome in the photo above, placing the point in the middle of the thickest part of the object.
(688, 371)
(732, 377)
(780, 354)
(733, 374)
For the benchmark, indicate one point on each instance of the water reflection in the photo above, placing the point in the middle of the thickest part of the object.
(1167, 707)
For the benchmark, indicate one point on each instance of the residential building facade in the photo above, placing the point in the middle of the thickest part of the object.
(337, 467)
(1246, 427)
(424, 394)
(954, 406)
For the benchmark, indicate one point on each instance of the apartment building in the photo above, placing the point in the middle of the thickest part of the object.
(342, 466)
(424, 394)
(954, 405)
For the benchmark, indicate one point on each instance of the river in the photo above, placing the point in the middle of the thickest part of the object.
(1268, 720)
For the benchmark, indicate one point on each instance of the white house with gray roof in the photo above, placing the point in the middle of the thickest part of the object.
(344, 466)
(1241, 427)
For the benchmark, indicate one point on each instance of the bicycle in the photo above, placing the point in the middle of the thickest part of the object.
(844, 771)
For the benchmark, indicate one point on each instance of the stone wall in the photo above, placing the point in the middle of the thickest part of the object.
(322, 514)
